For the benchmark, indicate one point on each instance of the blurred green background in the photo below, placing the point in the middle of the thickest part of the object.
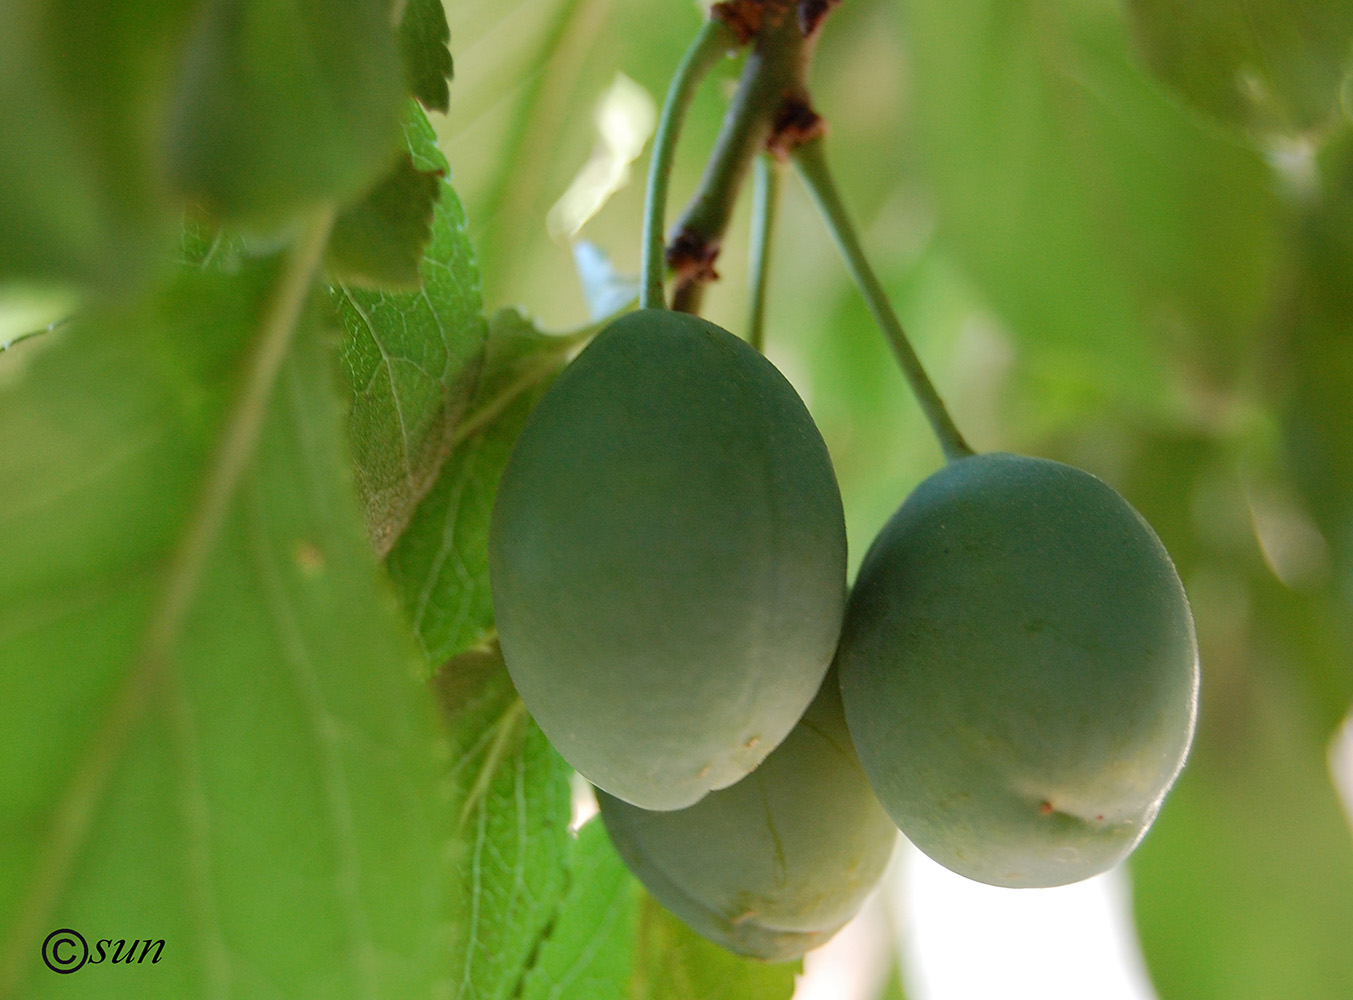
(1120, 235)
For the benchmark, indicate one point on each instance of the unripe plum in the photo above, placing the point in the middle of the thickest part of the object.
(1019, 671)
(777, 863)
(667, 559)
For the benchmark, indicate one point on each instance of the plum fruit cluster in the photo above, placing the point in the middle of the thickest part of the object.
(1012, 682)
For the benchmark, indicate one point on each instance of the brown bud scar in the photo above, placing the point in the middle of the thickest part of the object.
(752, 743)
(1045, 808)
(743, 17)
(691, 256)
(811, 14)
(795, 123)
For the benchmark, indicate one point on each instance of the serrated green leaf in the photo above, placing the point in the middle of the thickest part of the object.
(611, 940)
(1105, 227)
(412, 359)
(378, 243)
(440, 564)
(212, 732)
(423, 38)
(1269, 65)
(1244, 887)
(590, 953)
(510, 842)
(283, 105)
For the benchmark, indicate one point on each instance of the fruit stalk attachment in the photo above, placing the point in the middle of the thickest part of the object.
(812, 166)
(713, 40)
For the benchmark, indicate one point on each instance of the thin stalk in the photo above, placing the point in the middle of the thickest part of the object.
(812, 165)
(713, 40)
(765, 197)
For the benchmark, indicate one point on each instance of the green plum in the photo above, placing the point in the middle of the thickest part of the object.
(1019, 671)
(667, 559)
(777, 863)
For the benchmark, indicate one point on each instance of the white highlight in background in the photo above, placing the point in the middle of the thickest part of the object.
(963, 939)
(625, 119)
(854, 964)
(1341, 765)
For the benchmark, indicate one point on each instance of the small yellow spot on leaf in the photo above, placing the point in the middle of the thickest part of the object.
(308, 557)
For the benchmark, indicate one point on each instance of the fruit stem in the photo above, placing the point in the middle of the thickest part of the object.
(765, 196)
(713, 40)
(812, 165)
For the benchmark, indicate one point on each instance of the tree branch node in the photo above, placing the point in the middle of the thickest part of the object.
(744, 17)
(812, 13)
(794, 124)
(691, 256)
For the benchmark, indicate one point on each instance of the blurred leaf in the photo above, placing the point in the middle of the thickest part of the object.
(590, 952)
(1274, 65)
(1107, 229)
(282, 105)
(892, 988)
(1311, 630)
(379, 241)
(1202, 498)
(423, 38)
(1316, 373)
(510, 844)
(1311, 363)
(212, 733)
(81, 91)
(27, 311)
(1244, 886)
(412, 359)
(675, 963)
(440, 562)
